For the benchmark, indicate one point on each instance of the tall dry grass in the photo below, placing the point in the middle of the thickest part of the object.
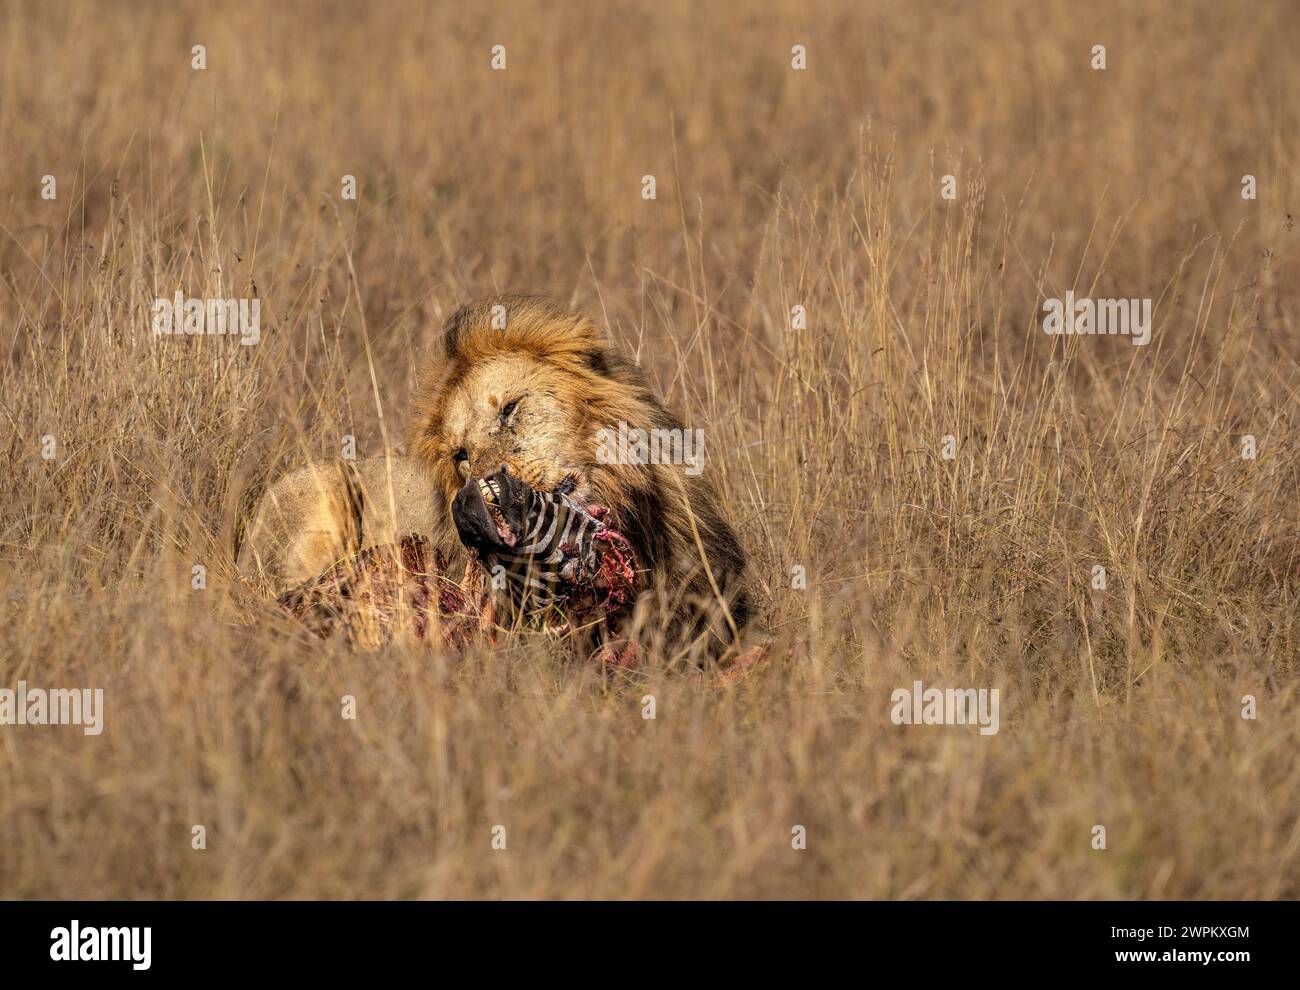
(776, 188)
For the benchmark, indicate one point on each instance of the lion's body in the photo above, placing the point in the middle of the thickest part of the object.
(320, 513)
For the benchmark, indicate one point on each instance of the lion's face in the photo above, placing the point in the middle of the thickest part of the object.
(531, 392)
(516, 411)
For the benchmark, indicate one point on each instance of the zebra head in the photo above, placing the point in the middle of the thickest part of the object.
(491, 514)
(544, 543)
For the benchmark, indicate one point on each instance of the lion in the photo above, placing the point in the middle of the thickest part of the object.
(516, 384)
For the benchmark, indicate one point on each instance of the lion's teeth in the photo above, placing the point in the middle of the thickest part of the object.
(485, 490)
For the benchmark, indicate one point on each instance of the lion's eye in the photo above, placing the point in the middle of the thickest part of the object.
(509, 408)
(460, 456)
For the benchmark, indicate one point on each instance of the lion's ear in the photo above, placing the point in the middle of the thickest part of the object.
(457, 326)
(598, 361)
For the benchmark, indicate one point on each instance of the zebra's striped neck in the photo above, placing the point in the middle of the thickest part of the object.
(556, 551)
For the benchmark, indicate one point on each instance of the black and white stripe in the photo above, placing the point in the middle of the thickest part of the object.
(557, 549)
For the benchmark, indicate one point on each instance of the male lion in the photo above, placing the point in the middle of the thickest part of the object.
(516, 384)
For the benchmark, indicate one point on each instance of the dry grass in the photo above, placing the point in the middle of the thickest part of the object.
(775, 188)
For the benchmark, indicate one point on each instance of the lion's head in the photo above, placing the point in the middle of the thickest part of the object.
(517, 382)
(519, 396)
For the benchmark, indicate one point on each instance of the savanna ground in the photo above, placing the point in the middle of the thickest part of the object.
(775, 188)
